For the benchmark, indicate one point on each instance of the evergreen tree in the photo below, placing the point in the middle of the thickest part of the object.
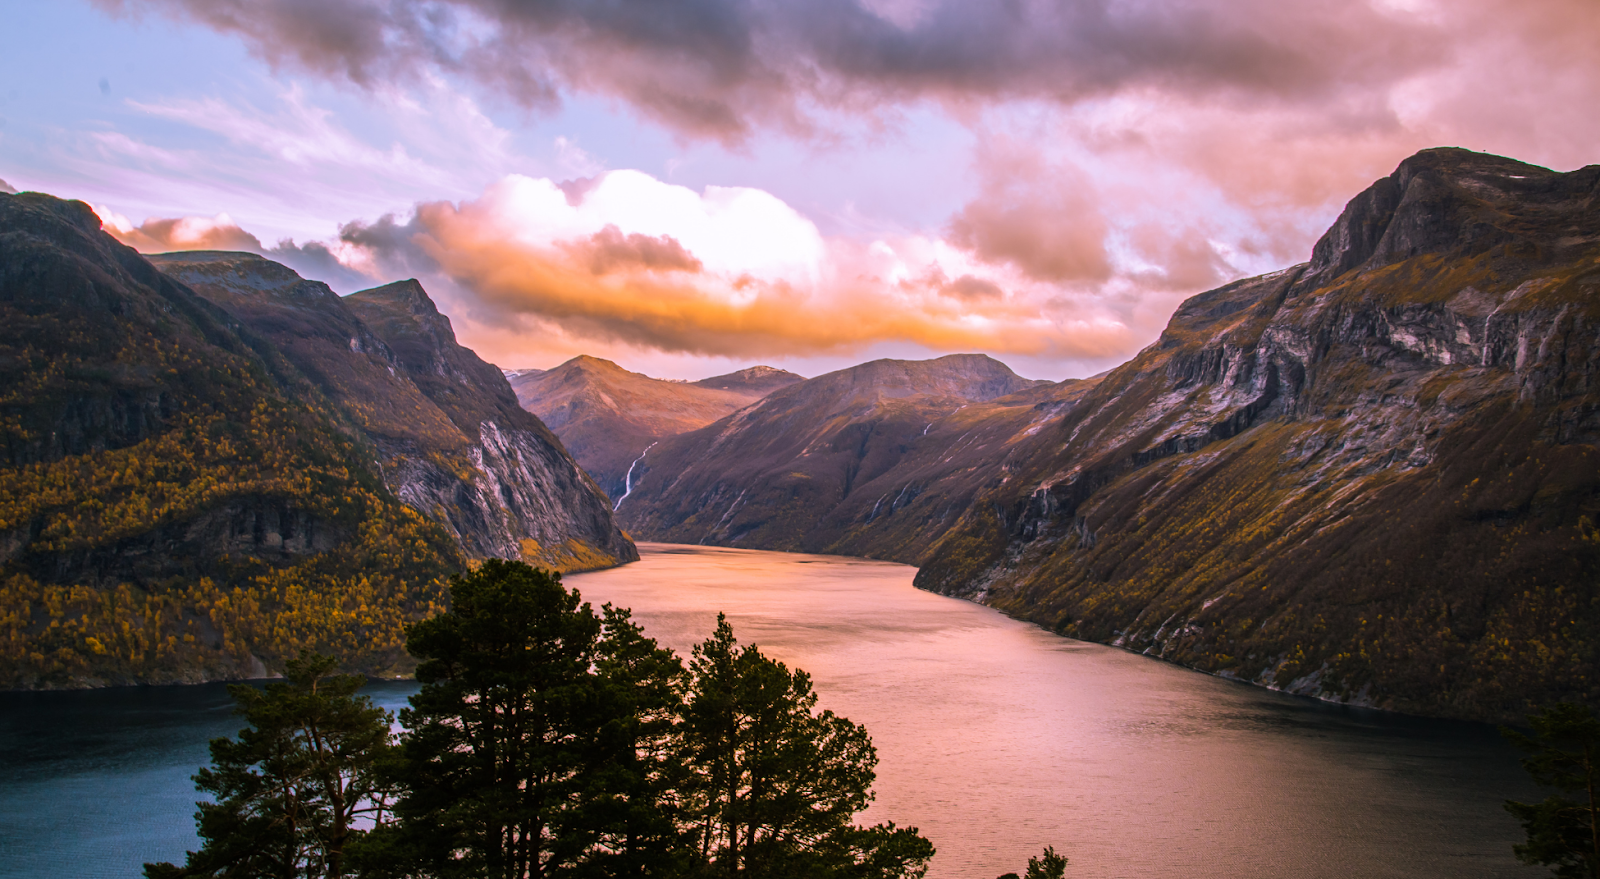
(534, 747)
(291, 790)
(1564, 753)
(639, 806)
(776, 782)
(1047, 865)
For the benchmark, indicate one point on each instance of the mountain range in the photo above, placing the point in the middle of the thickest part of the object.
(608, 416)
(1372, 478)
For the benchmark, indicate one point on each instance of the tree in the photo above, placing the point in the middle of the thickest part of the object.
(639, 806)
(292, 789)
(534, 746)
(1048, 865)
(1564, 753)
(776, 782)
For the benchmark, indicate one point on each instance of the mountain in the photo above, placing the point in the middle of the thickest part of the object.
(608, 416)
(863, 461)
(183, 499)
(1372, 478)
(450, 438)
(754, 382)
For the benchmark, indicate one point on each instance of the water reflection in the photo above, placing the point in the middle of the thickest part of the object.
(995, 738)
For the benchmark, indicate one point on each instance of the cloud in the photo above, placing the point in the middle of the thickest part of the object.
(158, 235)
(313, 260)
(1043, 218)
(721, 68)
(723, 272)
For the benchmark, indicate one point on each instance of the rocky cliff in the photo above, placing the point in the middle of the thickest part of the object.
(608, 416)
(447, 432)
(1370, 478)
(866, 461)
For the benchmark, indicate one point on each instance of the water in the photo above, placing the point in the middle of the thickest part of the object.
(995, 738)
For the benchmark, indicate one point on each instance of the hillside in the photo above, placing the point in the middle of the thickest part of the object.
(608, 416)
(864, 461)
(451, 439)
(1371, 478)
(180, 498)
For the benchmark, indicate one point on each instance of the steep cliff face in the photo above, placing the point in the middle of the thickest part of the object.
(873, 460)
(1370, 478)
(444, 426)
(532, 499)
(608, 416)
(175, 501)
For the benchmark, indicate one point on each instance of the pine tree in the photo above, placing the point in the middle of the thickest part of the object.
(1564, 753)
(291, 791)
(777, 782)
(534, 747)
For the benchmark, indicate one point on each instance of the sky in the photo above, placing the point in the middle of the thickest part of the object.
(688, 187)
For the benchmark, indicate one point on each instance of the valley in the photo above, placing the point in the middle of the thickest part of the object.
(1372, 478)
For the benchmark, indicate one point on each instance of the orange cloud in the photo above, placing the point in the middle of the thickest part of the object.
(157, 235)
(525, 251)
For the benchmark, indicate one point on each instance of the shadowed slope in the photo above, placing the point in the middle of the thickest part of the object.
(177, 502)
(864, 460)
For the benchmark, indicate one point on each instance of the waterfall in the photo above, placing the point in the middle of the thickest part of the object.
(627, 482)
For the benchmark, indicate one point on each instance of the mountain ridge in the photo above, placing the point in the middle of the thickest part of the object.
(608, 416)
(810, 449)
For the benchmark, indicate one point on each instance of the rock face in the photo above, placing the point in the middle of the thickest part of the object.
(1371, 478)
(448, 434)
(608, 416)
(866, 461)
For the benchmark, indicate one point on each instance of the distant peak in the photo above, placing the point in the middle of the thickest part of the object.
(760, 380)
(584, 361)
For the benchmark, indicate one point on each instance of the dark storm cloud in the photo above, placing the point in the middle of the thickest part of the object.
(720, 68)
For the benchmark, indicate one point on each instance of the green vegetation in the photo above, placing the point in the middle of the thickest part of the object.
(368, 566)
(291, 791)
(548, 740)
(1047, 865)
(1563, 753)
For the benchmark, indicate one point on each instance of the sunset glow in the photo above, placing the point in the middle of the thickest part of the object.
(806, 185)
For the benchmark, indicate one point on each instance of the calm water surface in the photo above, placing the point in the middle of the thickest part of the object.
(994, 737)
